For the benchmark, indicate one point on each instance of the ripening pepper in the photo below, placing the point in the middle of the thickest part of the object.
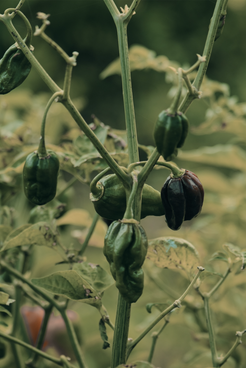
(109, 199)
(125, 247)
(170, 133)
(14, 69)
(182, 198)
(40, 177)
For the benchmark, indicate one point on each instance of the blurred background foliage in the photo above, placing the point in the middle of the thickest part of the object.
(214, 150)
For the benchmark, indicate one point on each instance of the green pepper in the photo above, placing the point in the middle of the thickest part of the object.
(14, 69)
(170, 133)
(109, 199)
(40, 177)
(125, 247)
(182, 198)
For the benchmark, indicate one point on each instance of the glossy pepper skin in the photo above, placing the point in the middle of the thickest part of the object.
(109, 199)
(125, 247)
(40, 177)
(14, 69)
(170, 133)
(182, 199)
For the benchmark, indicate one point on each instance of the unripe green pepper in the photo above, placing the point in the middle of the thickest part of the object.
(170, 133)
(182, 198)
(109, 199)
(40, 177)
(14, 69)
(125, 247)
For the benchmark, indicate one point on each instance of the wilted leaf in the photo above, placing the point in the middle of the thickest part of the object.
(103, 333)
(219, 155)
(140, 58)
(173, 253)
(220, 256)
(40, 233)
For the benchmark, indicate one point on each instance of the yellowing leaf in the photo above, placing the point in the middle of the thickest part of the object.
(77, 217)
(40, 234)
(174, 253)
(220, 155)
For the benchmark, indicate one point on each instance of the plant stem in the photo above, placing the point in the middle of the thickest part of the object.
(72, 335)
(131, 129)
(42, 332)
(73, 338)
(120, 332)
(93, 138)
(218, 11)
(174, 305)
(155, 336)
(31, 348)
(67, 186)
(212, 342)
(89, 234)
(238, 341)
(172, 110)
(11, 12)
(41, 149)
(148, 167)
(219, 283)
(29, 55)
(21, 3)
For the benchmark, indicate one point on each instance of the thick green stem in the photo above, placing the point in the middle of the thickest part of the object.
(89, 234)
(218, 11)
(41, 149)
(11, 13)
(121, 332)
(131, 129)
(211, 334)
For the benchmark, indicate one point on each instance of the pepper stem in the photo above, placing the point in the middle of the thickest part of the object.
(129, 209)
(172, 110)
(42, 149)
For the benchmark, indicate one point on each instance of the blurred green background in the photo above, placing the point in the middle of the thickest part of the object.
(178, 30)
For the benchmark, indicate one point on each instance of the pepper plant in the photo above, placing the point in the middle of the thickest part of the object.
(108, 161)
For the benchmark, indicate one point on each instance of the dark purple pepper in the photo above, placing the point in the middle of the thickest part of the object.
(182, 199)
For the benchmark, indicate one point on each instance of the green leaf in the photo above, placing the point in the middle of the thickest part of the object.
(174, 253)
(40, 233)
(17, 231)
(83, 282)
(95, 275)
(139, 364)
(66, 283)
(103, 333)
(48, 212)
(3, 298)
(4, 310)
